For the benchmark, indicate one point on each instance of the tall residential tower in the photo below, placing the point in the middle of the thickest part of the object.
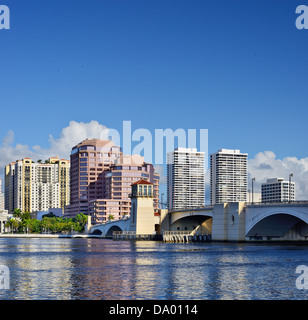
(185, 178)
(89, 159)
(228, 176)
(101, 178)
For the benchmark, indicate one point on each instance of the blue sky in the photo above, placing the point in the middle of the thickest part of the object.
(235, 67)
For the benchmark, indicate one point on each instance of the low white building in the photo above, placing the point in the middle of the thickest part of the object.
(278, 190)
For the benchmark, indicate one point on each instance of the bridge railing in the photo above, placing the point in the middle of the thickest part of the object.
(190, 208)
(282, 203)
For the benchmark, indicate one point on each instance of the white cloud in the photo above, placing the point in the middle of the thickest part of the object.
(265, 166)
(8, 139)
(74, 133)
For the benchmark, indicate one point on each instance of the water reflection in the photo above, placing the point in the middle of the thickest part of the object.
(104, 269)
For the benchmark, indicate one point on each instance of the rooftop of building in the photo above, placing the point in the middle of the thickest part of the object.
(95, 143)
(276, 180)
(230, 151)
(142, 182)
(187, 150)
(50, 161)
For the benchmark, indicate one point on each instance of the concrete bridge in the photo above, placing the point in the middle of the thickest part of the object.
(106, 229)
(238, 221)
(242, 221)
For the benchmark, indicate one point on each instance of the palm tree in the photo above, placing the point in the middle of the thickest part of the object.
(81, 218)
(17, 213)
(13, 224)
(8, 224)
(26, 224)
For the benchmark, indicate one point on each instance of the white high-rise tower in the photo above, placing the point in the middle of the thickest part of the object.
(185, 179)
(228, 176)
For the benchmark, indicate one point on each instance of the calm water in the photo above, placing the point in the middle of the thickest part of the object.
(106, 269)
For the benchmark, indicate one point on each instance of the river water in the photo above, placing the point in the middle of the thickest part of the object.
(114, 270)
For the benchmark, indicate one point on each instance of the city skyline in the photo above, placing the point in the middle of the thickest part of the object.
(177, 61)
(264, 166)
(279, 169)
(228, 169)
(153, 150)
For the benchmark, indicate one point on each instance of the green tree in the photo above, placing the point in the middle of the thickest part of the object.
(15, 224)
(8, 224)
(111, 217)
(17, 213)
(59, 226)
(82, 218)
(35, 226)
(46, 225)
(78, 227)
(25, 216)
(26, 223)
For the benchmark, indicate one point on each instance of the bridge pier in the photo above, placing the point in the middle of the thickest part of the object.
(229, 222)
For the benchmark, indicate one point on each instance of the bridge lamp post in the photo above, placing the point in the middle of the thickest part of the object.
(252, 181)
(290, 176)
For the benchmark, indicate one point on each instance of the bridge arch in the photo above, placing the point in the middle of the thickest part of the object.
(202, 223)
(97, 232)
(277, 222)
(109, 233)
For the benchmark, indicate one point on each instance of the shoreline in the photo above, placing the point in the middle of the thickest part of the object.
(46, 236)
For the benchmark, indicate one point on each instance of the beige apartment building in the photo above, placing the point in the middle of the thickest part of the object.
(31, 186)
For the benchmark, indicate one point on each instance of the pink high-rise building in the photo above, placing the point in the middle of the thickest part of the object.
(89, 159)
(117, 181)
(101, 179)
